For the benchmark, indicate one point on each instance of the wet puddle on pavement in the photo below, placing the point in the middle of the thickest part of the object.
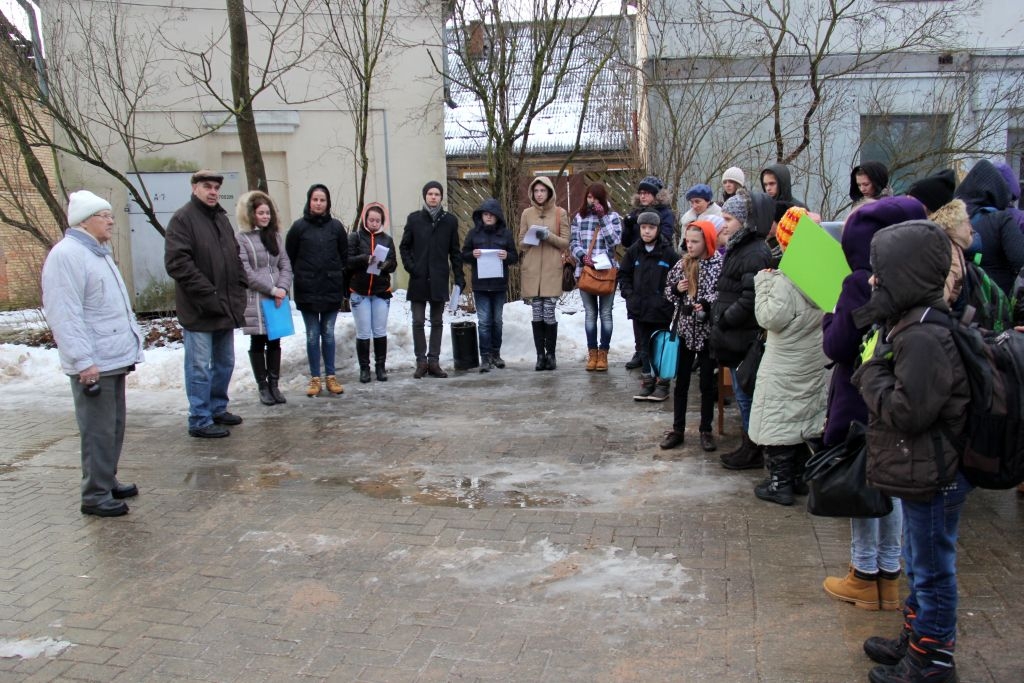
(230, 478)
(454, 491)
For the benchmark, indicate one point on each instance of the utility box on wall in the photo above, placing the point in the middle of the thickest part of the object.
(152, 287)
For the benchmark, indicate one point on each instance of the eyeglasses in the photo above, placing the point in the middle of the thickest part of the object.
(105, 215)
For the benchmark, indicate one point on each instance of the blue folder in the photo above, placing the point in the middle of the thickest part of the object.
(278, 318)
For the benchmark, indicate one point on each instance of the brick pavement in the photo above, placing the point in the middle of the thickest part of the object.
(503, 527)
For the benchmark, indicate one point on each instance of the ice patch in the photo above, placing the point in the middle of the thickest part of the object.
(307, 544)
(35, 647)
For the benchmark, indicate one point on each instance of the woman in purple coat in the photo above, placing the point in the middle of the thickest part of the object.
(873, 579)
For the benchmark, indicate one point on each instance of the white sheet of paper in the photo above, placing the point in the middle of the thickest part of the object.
(453, 302)
(602, 262)
(531, 235)
(489, 265)
(380, 253)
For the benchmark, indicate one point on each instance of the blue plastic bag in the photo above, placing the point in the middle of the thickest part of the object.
(664, 354)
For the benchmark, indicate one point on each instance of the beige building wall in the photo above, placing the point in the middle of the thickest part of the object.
(302, 142)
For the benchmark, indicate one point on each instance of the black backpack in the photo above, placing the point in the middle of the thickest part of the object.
(992, 444)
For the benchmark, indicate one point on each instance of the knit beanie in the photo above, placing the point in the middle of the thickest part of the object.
(717, 221)
(784, 231)
(735, 174)
(652, 184)
(736, 207)
(700, 191)
(83, 204)
(435, 185)
(934, 191)
(648, 218)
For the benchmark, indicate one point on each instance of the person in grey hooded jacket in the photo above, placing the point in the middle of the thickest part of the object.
(87, 307)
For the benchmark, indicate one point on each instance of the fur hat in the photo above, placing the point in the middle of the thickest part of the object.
(784, 231)
(648, 218)
(735, 174)
(934, 191)
(700, 191)
(204, 174)
(736, 206)
(953, 219)
(435, 185)
(83, 204)
(652, 184)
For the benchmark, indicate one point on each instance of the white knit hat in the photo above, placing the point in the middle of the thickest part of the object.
(83, 204)
(735, 174)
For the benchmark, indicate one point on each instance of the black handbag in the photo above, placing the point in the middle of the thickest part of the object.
(837, 481)
(746, 371)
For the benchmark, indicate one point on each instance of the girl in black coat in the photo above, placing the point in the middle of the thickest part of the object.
(317, 246)
(370, 292)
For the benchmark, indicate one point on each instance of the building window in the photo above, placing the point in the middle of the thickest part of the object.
(910, 145)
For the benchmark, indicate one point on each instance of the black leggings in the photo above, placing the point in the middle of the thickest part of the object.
(684, 369)
(258, 343)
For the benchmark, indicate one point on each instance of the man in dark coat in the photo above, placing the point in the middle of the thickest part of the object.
(201, 256)
(430, 254)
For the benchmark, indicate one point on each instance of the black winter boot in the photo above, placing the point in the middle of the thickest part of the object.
(891, 650)
(538, 344)
(259, 369)
(380, 356)
(274, 373)
(927, 661)
(646, 388)
(363, 354)
(550, 340)
(800, 457)
(747, 457)
(779, 487)
(661, 390)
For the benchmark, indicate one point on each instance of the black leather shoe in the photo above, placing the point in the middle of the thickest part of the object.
(210, 431)
(98, 511)
(634, 362)
(672, 439)
(227, 418)
(122, 491)
(707, 442)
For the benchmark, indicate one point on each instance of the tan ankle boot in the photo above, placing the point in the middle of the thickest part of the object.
(860, 592)
(889, 593)
(602, 360)
(314, 387)
(591, 360)
(334, 386)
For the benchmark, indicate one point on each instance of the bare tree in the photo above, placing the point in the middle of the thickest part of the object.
(517, 63)
(361, 34)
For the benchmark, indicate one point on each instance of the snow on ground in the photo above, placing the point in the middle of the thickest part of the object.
(33, 647)
(25, 369)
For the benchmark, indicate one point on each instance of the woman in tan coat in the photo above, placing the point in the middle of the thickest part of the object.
(541, 268)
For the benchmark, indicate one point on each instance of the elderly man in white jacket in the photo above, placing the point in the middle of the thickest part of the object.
(87, 307)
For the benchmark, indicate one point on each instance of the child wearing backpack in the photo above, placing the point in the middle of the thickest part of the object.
(917, 393)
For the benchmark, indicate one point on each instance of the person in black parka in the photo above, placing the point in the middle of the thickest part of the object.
(734, 327)
(986, 194)
(490, 232)
(317, 247)
(642, 278)
(430, 254)
(370, 293)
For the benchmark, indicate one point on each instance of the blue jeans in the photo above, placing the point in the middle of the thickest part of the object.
(370, 314)
(930, 531)
(319, 335)
(489, 306)
(209, 362)
(593, 305)
(876, 543)
(743, 400)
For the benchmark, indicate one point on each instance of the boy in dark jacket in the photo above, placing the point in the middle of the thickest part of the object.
(642, 280)
(915, 387)
(489, 237)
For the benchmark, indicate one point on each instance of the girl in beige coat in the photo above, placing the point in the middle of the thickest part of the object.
(541, 266)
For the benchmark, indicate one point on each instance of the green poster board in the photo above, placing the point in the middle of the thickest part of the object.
(815, 263)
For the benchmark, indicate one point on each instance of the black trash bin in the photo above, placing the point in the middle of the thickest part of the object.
(465, 351)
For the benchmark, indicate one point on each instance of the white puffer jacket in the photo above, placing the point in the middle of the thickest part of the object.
(87, 307)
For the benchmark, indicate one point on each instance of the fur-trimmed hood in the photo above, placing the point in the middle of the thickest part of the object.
(245, 210)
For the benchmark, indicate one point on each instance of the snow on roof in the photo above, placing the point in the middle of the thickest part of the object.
(608, 121)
